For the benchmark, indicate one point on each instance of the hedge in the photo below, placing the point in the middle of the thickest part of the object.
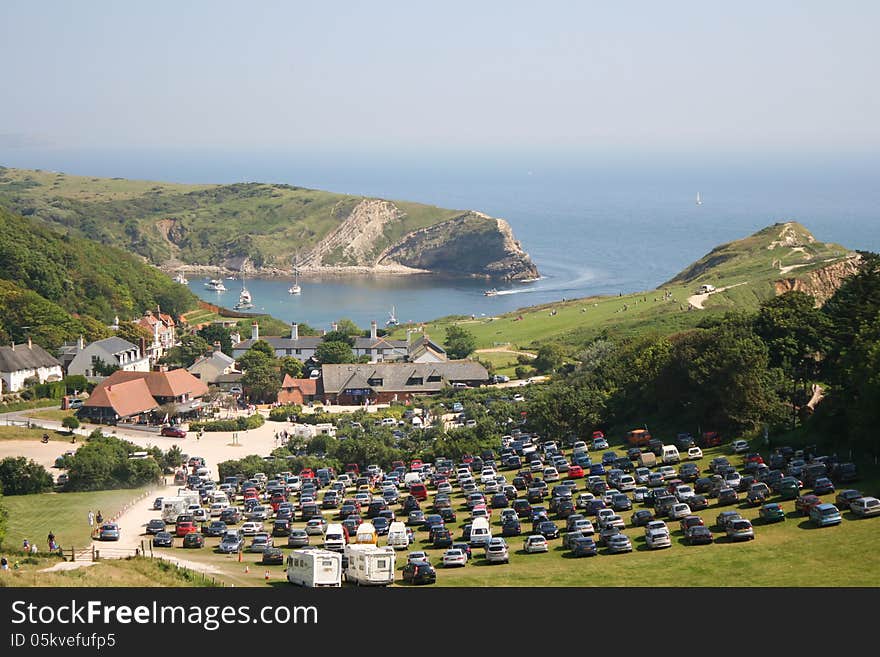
(238, 424)
(281, 413)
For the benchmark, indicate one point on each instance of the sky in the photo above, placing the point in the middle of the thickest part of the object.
(633, 76)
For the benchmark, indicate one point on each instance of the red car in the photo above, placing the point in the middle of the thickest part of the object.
(419, 491)
(174, 432)
(184, 527)
(306, 473)
(575, 472)
(804, 503)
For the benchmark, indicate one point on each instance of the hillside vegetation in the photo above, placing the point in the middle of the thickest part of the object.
(61, 286)
(776, 259)
(259, 226)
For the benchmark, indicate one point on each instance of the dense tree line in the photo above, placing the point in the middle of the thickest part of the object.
(103, 463)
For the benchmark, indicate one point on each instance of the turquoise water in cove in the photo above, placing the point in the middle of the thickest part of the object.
(592, 224)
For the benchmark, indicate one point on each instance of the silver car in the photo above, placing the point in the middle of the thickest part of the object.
(740, 530)
(865, 507)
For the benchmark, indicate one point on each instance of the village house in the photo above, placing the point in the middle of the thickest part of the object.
(95, 360)
(298, 391)
(129, 395)
(20, 362)
(162, 327)
(212, 365)
(387, 382)
(378, 349)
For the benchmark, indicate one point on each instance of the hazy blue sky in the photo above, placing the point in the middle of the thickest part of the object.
(694, 75)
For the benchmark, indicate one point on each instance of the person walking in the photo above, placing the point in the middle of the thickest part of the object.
(99, 518)
(4, 563)
(91, 520)
(50, 539)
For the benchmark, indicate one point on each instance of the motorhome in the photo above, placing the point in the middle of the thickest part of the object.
(173, 507)
(313, 568)
(369, 565)
(398, 538)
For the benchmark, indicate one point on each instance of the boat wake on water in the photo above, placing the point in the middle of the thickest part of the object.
(561, 283)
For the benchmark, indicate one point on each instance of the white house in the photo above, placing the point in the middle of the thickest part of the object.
(19, 362)
(111, 352)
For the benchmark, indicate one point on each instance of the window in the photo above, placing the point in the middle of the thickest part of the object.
(297, 351)
(414, 381)
(374, 382)
(434, 378)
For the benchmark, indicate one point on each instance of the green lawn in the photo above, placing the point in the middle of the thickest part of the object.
(65, 514)
(110, 572)
(23, 433)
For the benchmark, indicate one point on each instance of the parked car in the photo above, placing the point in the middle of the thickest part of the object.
(163, 539)
(155, 526)
(215, 528)
(419, 572)
(740, 529)
(194, 540)
(548, 529)
(272, 556)
(260, 542)
(823, 486)
(739, 446)
(727, 496)
(823, 515)
(535, 543)
(619, 543)
(232, 541)
(844, 498)
(454, 557)
(865, 507)
(725, 518)
(583, 547)
(771, 512)
(173, 432)
(804, 503)
(689, 521)
(657, 538)
(497, 551)
(641, 518)
(698, 535)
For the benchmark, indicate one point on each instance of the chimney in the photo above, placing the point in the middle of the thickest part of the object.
(143, 347)
(255, 331)
(30, 344)
(334, 326)
(294, 331)
(373, 330)
(81, 343)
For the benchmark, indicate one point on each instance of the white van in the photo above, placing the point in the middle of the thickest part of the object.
(670, 454)
(173, 507)
(314, 568)
(397, 538)
(480, 532)
(411, 478)
(369, 565)
(334, 537)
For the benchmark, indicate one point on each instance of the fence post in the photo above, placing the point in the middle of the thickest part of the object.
(72, 554)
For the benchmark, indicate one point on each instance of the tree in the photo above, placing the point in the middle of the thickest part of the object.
(261, 383)
(191, 348)
(172, 458)
(334, 352)
(348, 327)
(459, 342)
(549, 359)
(217, 333)
(263, 347)
(339, 336)
(253, 358)
(290, 366)
(20, 476)
(133, 332)
(70, 423)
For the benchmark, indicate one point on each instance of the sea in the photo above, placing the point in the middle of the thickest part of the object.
(594, 223)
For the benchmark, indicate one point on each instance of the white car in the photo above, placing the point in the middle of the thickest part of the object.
(551, 474)
(535, 543)
(202, 515)
(679, 511)
(739, 446)
(488, 474)
(658, 538)
(454, 557)
(579, 446)
(601, 514)
(694, 453)
(584, 526)
(444, 487)
(668, 472)
(864, 507)
(684, 493)
(626, 483)
(251, 528)
(613, 520)
(656, 524)
(419, 555)
(217, 509)
(583, 499)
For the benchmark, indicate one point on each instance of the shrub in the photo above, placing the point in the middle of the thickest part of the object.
(237, 424)
(281, 413)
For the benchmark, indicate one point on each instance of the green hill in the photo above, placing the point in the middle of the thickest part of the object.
(744, 272)
(262, 227)
(60, 286)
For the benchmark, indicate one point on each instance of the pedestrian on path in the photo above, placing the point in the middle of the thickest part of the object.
(51, 541)
(91, 519)
(99, 518)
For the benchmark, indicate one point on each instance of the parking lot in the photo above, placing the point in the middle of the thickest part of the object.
(774, 557)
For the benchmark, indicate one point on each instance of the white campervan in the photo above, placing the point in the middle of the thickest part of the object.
(173, 507)
(366, 534)
(670, 454)
(335, 538)
(397, 536)
(314, 568)
(480, 532)
(369, 565)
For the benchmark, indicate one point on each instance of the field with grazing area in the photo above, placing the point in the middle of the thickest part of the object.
(110, 572)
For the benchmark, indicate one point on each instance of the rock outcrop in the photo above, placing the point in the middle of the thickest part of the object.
(821, 283)
(472, 244)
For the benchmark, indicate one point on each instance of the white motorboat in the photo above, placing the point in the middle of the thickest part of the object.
(491, 293)
(216, 285)
(180, 278)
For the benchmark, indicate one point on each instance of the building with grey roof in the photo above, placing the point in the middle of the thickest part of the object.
(95, 359)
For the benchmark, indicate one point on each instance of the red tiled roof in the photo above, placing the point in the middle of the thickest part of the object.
(164, 384)
(307, 386)
(126, 397)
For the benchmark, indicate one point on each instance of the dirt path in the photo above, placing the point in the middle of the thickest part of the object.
(505, 350)
(697, 300)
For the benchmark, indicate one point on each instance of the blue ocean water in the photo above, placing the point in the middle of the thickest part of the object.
(593, 224)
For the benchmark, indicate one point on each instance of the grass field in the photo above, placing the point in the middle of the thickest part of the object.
(111, 572)
(55, 414)
(65, 514)
(23, 433)
(789, 553)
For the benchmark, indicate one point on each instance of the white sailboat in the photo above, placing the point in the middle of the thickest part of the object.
(699, 200)
(181, 278)
(244, 298)
(392, 318)
(295, 288)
